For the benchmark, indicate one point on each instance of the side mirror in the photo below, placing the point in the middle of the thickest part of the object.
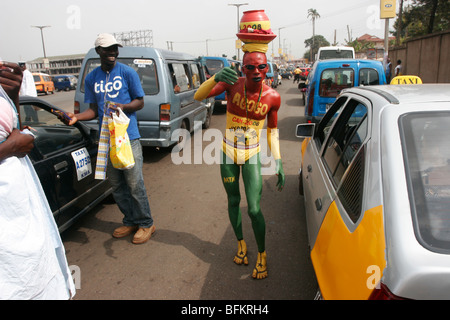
(305, 130)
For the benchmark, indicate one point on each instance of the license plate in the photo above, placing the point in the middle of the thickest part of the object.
(82, 163)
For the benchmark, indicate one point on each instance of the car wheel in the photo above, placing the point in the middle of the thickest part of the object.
(207, 122)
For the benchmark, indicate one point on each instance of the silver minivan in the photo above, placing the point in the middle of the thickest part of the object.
(170, 80)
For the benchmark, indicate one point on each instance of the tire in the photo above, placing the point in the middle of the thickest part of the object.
(207, 122)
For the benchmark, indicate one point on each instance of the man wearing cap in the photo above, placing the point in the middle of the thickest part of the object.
(116, 82)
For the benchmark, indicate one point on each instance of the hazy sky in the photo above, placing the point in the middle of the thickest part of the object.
(187, 23)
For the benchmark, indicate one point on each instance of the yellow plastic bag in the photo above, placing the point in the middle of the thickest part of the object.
(120, 148)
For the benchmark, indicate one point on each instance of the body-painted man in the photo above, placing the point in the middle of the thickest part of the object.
(250, 102)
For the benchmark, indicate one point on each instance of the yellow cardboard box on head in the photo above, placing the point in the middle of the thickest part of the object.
(387, 9)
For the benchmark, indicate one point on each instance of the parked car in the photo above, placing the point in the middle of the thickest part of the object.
(328, 78)
(43, 83)
(375, 175)
(64, 158)
(215, 64)
(65, 82)
(170, 80)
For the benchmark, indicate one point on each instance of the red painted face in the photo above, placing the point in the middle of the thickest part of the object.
(255, 66)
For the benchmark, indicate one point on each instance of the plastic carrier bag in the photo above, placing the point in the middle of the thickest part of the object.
(120, 148)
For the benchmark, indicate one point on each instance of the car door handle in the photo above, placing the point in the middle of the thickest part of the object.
(60, 167)
(318, 204)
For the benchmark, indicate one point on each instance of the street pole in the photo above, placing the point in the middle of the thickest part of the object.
(237, 5)
(42, 37)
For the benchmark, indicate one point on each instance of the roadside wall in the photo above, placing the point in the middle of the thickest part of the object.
(427, 57)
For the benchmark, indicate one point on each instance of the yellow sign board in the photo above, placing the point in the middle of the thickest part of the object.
(387, 9)
(406, 80)
(238, 44)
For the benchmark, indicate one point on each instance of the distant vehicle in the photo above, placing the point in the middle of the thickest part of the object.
(286, 74)
(304, 73)
(336, 53)
(169, 80)
(215, 64)
(328, 78)
(65, 82)
(64, 158)
(272, 79)
(44, 83)
(375, 175)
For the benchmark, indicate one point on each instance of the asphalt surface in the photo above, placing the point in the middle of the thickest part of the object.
(190, 257)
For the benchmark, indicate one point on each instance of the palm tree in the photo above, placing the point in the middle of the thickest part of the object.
(313, 14)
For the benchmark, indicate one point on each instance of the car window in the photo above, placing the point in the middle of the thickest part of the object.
(214, 66)
(145, 68)
(180, 77)
(368, 77)
(344, 156)
(426, 154)
(195, 75)
(51, 134)
(326, 122)
(346, 138)
(332, 81)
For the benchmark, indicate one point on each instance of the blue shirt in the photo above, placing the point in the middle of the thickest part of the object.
(121, 84)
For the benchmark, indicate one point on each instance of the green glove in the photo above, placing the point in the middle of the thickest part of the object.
(280, 173)
(227, 75)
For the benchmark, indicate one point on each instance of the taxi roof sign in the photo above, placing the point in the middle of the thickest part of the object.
(406, 80)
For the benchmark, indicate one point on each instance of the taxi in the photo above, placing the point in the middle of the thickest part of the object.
(64, 158)
(375, 176)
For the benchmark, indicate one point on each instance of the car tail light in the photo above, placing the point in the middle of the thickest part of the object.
(76, 107)
(164, 112)
(383, 293)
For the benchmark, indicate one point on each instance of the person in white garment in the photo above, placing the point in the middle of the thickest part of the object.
(33, 264)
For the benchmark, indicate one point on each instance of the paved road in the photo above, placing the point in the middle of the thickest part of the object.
(190, 255)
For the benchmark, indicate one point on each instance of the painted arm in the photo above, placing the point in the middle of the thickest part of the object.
(226, 75)
(274, 142)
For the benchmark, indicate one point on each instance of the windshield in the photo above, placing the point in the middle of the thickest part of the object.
(427, 165)
(145, 68)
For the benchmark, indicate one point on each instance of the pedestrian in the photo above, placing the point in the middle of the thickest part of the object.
(297, 72)
(28, 88)
(120, 84)
(398, 68)
(388, 70)
(33, 264)
(249, 102)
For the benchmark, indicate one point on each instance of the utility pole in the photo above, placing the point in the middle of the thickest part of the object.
(42, 37)
(237, 5)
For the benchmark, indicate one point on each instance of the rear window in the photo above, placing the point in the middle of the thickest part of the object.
(336, 54)
(368, 77)
(332, 81)
(427, 164)
(214, 66)
(145, 68)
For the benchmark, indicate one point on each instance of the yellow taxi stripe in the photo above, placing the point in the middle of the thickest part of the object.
(349, 265)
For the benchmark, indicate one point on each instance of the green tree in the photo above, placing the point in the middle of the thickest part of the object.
(314, 43)
(313, 14)
(422, 17)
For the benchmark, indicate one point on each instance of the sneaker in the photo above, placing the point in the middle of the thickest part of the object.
(123, 231)
(143, 235)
